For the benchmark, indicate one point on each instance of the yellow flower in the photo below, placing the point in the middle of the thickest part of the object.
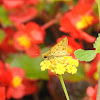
(60, 65)
(60, 69)
(71, 69)
(73, 62)
(45, 64)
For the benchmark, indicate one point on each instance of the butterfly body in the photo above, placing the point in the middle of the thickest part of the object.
(58, 50)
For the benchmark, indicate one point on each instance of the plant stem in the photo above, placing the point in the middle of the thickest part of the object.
(51, 22)
(64, 88)
(98, 90)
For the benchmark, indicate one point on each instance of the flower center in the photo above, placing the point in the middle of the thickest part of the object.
(84, 22)
(16, 81)
(24, 41)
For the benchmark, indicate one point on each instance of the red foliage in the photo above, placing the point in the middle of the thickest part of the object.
(94, 65)
(92, 92)
(6, 45)
(87, 1)
(12, 4)
(5, 74)
(23, 15)
(33, 51)
(24, 87)
(32, 35)
(78, 18)
(32, 1)
(35, 32)
(30, 86)
(9, 4)
(2, 93)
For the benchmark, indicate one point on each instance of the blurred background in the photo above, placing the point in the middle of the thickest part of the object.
(29, 28)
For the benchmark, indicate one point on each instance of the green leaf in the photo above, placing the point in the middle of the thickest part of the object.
(97, 44)
(2, 35)
(31, 66)
(80, 75)
(4, 17)
(85, 55)
(10, 58)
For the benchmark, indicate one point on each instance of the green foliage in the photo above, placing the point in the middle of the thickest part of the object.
(95, 8)
(88, 55)
(80, 75)
(97, 44)
(50, 7)
(75, 1)
(4, 17)
(85, 55)
(31, 66)
(64, 8)
(10, 58)
(2, 35)
(40, 6)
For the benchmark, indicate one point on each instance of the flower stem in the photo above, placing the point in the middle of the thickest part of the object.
(51, 22)
(64, 88)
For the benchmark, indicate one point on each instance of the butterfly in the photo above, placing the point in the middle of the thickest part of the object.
(58, 50)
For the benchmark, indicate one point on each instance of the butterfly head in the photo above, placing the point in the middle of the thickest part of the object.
(46, 55)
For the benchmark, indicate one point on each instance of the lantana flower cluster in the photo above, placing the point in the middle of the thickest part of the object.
(60, 65)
